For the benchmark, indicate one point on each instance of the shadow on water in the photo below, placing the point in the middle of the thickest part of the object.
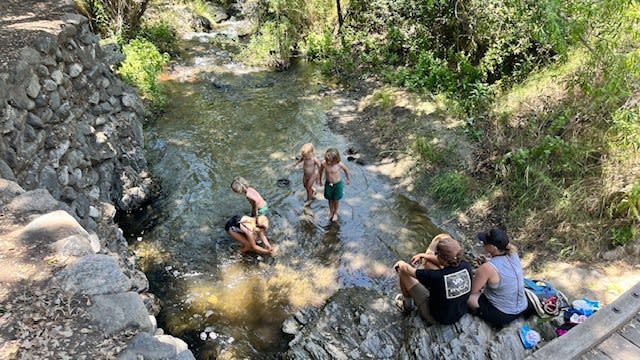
(225, 120)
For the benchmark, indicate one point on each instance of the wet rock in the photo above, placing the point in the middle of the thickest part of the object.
(93, 275)
(159, 347)
(291, 326)
(116, 312)
(200, 23)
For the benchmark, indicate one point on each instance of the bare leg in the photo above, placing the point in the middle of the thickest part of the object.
(311, 191)
(332, 210)
(241, 239)
(335, 210)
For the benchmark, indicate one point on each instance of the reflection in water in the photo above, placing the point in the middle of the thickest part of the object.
(222, 124)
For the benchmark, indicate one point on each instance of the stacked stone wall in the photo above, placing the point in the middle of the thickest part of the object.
(71, 154)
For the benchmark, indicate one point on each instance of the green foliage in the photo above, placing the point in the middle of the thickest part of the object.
(536, 174)
(162, 35)
(286, 26)
(452, 188)
(428, 151)
(452, 47)
(623, 235)
(114, 18)
(317, 46)
(143, 62)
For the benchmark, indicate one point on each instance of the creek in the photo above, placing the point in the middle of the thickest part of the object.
(225, 120)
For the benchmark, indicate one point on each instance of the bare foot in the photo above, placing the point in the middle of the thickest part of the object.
(308, 202)
(334, 217)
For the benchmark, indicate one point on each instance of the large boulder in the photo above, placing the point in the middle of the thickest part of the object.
(37, 201)
(93, 275)
(159, 347)
(51, 227)
(116, 312)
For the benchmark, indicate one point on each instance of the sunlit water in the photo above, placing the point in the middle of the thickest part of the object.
(226, 120)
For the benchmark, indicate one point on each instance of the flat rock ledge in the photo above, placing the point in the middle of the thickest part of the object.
(47, 254)
(359, 323)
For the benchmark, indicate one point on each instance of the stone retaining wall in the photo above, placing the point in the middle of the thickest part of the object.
(72, 133)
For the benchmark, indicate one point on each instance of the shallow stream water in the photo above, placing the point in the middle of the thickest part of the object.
(225, 120)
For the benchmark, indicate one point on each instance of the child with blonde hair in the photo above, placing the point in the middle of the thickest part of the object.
(258, 205)
(333, 187)
(310, 167)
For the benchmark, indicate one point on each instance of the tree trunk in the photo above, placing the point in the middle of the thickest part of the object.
(339, 10)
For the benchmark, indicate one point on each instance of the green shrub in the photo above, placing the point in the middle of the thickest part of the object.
(428, 152)
(623, 235)
(452, 188)
(162, 35)
(143, 62)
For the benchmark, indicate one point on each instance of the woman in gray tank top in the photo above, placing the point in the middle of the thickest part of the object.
(503, 298)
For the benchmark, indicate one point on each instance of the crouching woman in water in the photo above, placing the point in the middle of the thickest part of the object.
(501, 277)
(442, 288)
(245, 230)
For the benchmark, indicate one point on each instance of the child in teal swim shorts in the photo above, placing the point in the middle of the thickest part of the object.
(333, 186)
(258, 204)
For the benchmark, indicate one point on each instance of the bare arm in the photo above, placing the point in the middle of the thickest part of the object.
(321, 172)
(403, 267)
(298, 161)
(251, 237)
(319, 167)
(265, 241)
(480, 278)
(346, 172)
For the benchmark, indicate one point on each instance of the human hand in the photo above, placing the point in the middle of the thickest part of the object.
(348, 181)
(481, 259)
(396, 267)
(416, 259)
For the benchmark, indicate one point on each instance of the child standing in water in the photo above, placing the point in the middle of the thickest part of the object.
(258, 204)
(333, 186)
(310, 167)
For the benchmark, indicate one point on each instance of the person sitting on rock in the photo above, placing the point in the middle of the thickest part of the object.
(502, 279)
(441, 289)
(245, 230)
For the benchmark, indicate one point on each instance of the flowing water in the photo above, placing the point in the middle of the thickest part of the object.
(226, 120)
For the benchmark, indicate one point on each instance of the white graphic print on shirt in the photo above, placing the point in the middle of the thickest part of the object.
(457, 284)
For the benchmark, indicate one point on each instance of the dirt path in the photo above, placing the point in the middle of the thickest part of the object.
(22, 21)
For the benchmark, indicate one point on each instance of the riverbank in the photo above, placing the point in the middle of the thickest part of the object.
(394, 118)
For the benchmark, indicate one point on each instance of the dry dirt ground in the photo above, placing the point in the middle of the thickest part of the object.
(21, 21)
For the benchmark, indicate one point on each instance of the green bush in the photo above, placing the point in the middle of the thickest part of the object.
(429, 152)
(162, 35)
(452, 188)
(143, 62)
